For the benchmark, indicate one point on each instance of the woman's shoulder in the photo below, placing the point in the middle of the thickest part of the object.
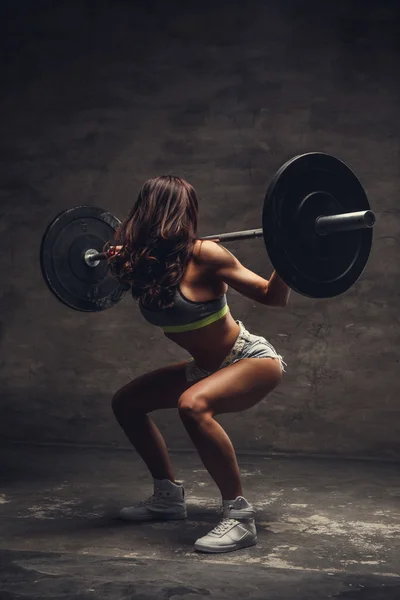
(205, 252)
(212, 259)
(204, 266)
(211, 253)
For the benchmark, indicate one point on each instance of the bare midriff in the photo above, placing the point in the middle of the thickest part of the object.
(211, 344)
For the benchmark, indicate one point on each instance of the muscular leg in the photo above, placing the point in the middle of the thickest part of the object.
(152, 391)
(233, 389)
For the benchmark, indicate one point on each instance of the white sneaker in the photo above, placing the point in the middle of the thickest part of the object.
(236, 530)
(166, 504)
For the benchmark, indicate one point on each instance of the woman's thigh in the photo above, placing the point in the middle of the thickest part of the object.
(155, 390)
(236, 387)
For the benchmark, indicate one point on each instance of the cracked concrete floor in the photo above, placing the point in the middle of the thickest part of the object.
(326, 529)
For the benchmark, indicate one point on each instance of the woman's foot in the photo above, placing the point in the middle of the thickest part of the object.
(236, 530)
(166, 504)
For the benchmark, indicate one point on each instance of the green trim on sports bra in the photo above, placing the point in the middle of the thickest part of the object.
(197, 324)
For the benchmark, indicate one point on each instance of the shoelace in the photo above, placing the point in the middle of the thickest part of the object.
(147, 501)
(151, 499)
(224, 525)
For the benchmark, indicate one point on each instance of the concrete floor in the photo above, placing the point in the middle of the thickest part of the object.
(327, 529)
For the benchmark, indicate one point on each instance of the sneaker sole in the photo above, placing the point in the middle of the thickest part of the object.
(218, 549)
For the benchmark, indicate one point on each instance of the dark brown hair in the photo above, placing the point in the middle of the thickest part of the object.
(158, 237)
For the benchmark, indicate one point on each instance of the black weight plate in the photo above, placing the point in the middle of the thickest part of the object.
(307, 186)
(64, 243)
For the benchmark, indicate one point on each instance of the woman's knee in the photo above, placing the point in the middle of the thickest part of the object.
(192, 406)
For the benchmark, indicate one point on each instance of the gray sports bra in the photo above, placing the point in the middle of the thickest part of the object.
(186, 315)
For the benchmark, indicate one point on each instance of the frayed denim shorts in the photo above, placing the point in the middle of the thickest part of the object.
(247, 345)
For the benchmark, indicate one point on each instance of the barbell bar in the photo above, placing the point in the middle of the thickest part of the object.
(323, 225)
(361, 219)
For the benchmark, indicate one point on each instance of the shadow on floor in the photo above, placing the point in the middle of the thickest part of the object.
(326, 529)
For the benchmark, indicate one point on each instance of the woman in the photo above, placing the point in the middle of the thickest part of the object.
(181, 284)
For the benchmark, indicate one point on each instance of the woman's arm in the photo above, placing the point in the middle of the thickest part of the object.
(224, 265)
(278, 290)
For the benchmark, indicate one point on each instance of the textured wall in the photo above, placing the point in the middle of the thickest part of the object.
(95, 101)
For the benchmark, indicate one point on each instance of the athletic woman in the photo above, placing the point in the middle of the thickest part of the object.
(181, 284)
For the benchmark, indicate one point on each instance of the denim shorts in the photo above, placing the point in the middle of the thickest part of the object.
(247, 345)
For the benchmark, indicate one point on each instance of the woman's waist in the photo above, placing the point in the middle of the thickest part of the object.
(210, 345)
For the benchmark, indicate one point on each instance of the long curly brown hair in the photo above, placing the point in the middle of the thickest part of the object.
(157, 239)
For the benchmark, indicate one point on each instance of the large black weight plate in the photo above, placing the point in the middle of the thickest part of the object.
(64, 243)
(307, 186)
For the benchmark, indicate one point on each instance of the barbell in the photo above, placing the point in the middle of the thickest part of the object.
(316, 224)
